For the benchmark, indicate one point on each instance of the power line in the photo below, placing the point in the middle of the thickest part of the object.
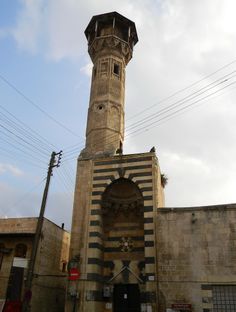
(71, 171)
(25, 195)
(67, 188)
(23, 132)
(183, 89)
(21, 150)
(26, 128)
(10, 154)
(182, 101)
(67, 176)
(23, 140)
(26, 137)
(148, 118)
(167, 119)
(184, 108)
(27, 99)
(75, 147)
(171, 114)
(169, 108)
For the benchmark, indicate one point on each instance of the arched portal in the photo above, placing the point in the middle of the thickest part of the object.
(123, 229)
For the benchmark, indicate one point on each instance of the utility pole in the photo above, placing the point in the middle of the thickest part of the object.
(30, 274)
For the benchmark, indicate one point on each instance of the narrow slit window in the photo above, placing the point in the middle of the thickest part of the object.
(94, 72)
(116, 69)
(63, 266)
(1, 254)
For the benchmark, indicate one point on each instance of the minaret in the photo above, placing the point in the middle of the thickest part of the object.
(113, 233)
(111, 38)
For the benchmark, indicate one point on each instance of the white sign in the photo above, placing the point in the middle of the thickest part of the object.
(20, 262)
(149, 308)
(108, 305)
(2, 301)
(143, 307)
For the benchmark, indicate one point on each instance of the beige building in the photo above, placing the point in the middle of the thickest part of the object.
(16, 238)
(133, 254)
(196, 250)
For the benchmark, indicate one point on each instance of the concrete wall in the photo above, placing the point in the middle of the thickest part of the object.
(196, 248)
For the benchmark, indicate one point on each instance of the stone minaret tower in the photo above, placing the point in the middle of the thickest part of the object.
(111, 38)
(113, 236)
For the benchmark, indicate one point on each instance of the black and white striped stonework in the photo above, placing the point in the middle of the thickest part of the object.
(142, 169)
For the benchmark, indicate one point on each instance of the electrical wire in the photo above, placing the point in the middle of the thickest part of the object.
(67, 175)
(21, 132)
(171, 114)
(189, 97)
(137, 124)
(27, 99)
(10, 154)
(23, 140)
(113, 136)
(182, 101)
(183, 89)
(23, 128)
(31, 156)
(183, 109)
(25, 195)
(67, 188)
(11, 122)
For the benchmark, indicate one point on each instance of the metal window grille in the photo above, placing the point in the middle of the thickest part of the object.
(224, 298)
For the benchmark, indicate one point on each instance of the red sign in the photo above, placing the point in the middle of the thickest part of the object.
(12, 306)
(74, 274)
(182, 306)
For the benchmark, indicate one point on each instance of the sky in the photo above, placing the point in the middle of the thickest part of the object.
(180, 98)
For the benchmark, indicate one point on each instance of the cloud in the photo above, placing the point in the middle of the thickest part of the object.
(87, 69)
(8, 168)
(29, 25)
(9, 199)
(180, 42)
(16, 204)
(59, 24)
(194, 181)
(59, 208)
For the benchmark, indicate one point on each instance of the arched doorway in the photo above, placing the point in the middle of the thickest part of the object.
(123, 238)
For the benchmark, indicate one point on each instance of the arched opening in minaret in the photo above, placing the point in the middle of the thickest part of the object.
(123, 233)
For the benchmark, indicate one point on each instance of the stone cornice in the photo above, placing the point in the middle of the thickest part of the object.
(111, 42)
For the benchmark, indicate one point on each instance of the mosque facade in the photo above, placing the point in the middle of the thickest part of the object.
(132, 253)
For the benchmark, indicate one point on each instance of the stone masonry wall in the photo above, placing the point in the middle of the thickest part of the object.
(196, 249)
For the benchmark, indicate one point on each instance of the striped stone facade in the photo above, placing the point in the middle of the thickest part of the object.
(103, 261)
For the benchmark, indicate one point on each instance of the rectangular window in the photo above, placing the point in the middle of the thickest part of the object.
(116, 69)
(224, 298)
